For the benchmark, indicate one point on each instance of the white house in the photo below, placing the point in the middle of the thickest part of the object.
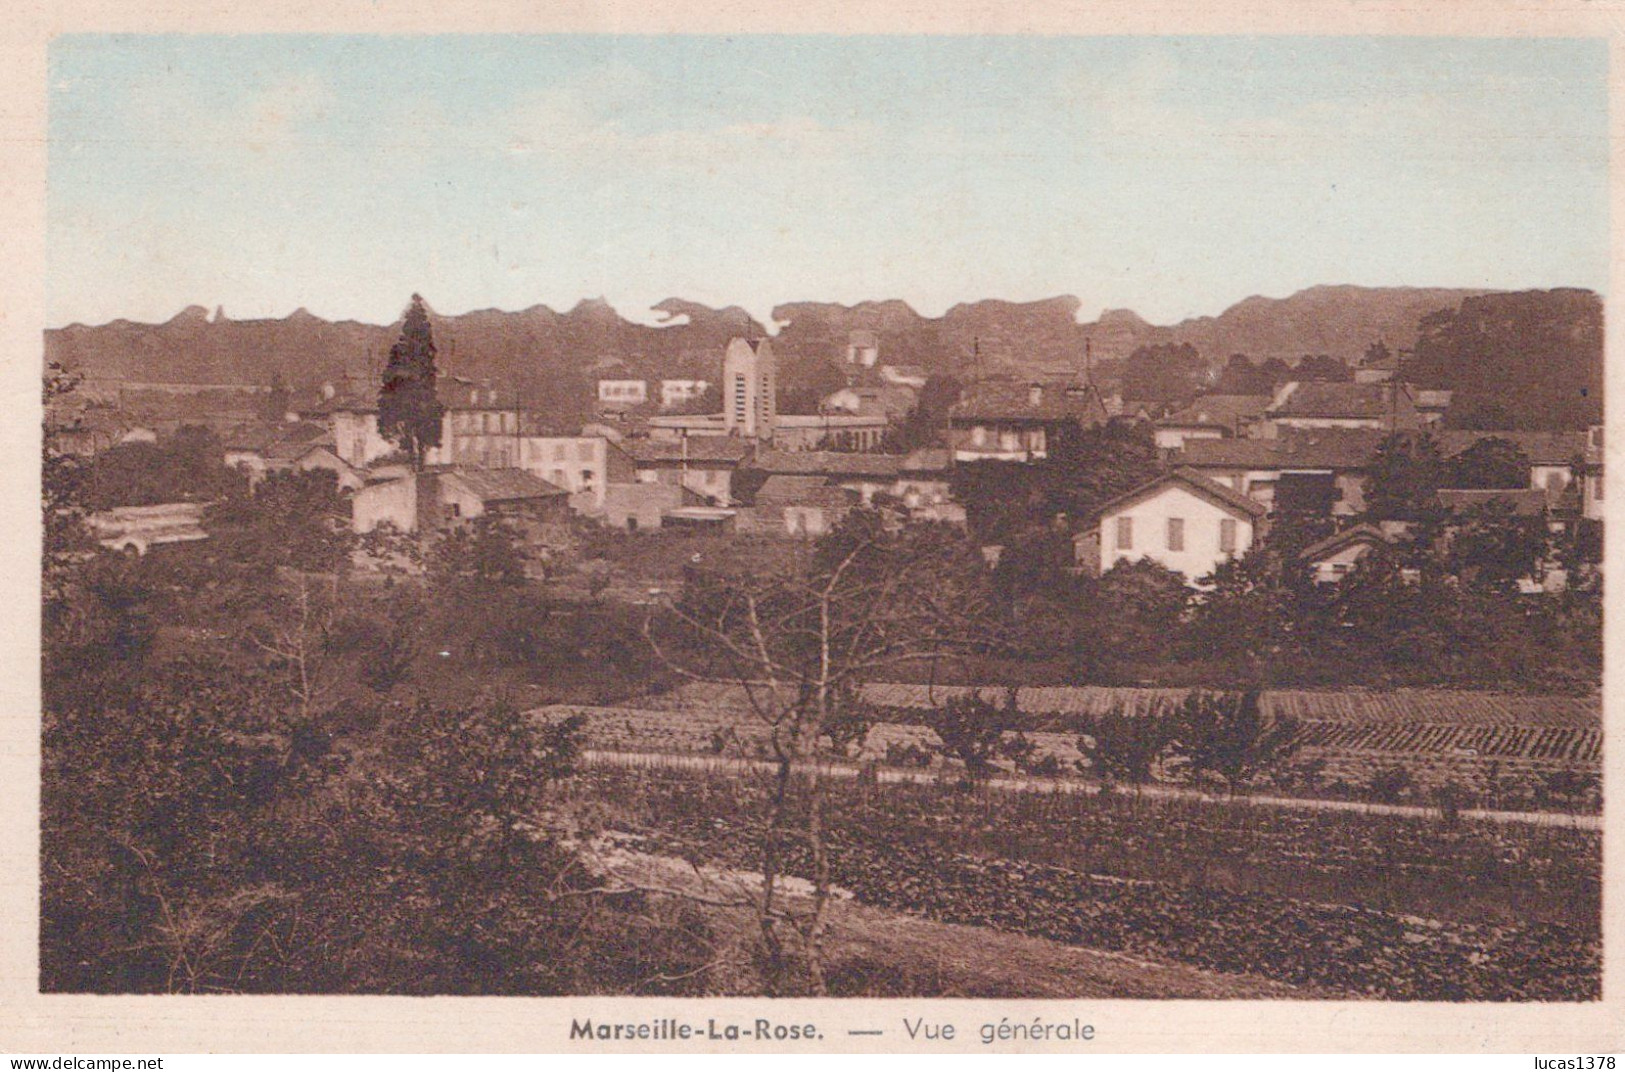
(1181, 520)
(674, 393)
(623, 392)
(582, 465)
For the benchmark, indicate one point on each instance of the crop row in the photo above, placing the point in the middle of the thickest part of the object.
(1497, 766)
(1423, 738)
(1427, 706)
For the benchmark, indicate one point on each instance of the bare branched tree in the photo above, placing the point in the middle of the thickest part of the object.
(799, 643)
(298, 639)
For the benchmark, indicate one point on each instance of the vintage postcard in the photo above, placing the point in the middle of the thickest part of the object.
(861, 530)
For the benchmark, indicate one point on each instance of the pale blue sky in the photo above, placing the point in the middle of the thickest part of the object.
(1172, 176)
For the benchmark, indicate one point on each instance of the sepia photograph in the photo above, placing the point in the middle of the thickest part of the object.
(992, 516)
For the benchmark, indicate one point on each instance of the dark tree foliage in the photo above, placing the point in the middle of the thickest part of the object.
(187, 467)
(1537, 355)
(1240, 376)
(409, 409)
(62, 499)
(1323, 368)
(294, 520)
(1228, 736)
(1085, 469)
(1168, 374)
(487, 549)
(1404, 478)
(803, 385)
(1252, 622)
(199, 836)
(926, 422)
(1140, 605)
(1127, 745)
(1491, 546)
(1490, 463)
(977, 732)
(277, 400)
(1479, 417)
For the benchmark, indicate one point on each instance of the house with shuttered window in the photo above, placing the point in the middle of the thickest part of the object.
(1181, 520)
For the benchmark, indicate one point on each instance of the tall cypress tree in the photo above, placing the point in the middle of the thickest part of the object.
(409, 411)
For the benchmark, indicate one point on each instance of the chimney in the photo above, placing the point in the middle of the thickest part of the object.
(1035, 394)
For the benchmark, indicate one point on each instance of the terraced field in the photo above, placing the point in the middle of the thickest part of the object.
(1501, 748)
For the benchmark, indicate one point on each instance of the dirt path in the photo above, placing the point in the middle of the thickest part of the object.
(877, 952)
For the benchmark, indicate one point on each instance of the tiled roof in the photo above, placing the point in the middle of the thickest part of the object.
(1365, 533)
(700, 448)
(1223, 411)
(1013, 401)
(1525, 502)
(801, 491)
(504, 485)
(293, 448)
(1306, 448)
(827, 463)
(1542, 448)
(1195, 481)
(1345, 400)
(279, 440)
(927, 460)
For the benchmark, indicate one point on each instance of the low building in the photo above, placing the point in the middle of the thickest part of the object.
(1009, 421)
(298, 446)
(642, 507)
(438, 498)
(1556, 459)
(1182, 521)
(512, 494)
(583, 465)
(1387, 406)
(703, 464)
(1212, 417)
(917, 481)
(797, 506)
(829, 431)
(393, 502)
(891, 402)
(865, 475)
(1306, 470)
(1335, 557)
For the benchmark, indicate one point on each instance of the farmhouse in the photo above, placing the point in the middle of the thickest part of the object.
(1321, 470)
(801, 506)
(704, 465)
(480, 427)
(416, 502)
(508, 493)
(997, 420)
(1181, 520)
(583, 465)
(1335, 557)
(1212, 417)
